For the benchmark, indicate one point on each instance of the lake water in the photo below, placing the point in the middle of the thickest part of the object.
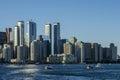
(59, 72)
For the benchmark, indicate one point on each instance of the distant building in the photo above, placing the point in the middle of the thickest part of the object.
(40, 38)
(72, 40)
(21, 32)
(62, 42)
(88, 56)
(31, 34)
(7, 53)
(3, 38)
(100, 53)
(79, 52)
(34, 51)
(18, 36)
(94, 52)
(68, 48)
(113, 52)
(56, 38)
(21, 53)
(48, 31)
(8, 30)
(61, 58)
(106, 54)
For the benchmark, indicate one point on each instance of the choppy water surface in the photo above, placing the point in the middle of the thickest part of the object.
(59, 72)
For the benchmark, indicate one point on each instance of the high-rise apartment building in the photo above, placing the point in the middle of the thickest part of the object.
(72, 40)
(31, 34)
(7, 53)
(67, 48)
(56, 38)
(8, 30)
(94, 52)
(113, 52)
(21, 32)
(79, 51)
(35, 51)
(48, 31)
(18, 36)
(21, 53)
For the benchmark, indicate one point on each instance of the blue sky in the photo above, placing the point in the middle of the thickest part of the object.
(88, 20)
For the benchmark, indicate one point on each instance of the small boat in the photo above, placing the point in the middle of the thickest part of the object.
(48, 67)
(89, 67)
(98, 65)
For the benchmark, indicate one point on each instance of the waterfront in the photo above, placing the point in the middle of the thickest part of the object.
(59, 72)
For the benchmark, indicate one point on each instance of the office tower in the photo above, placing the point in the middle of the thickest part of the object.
(48, 31)
(16, 40)
(79, 52)
(113, 52)
(21, 53)
(62, 41)
(31, 34)
(94, 52)
(45, 50)
(88, 56)
(3, 38)
(20, 25)
(19, 34)
(7, 53)
(56, 38)
(67, 48)
(16, 36)
(35, 51)
(8, 30)
(100, 53)
(106, 54)
(72, 40)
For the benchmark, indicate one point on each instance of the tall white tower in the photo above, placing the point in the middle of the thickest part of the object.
(21, 32)
(16, 36)
(48, 29)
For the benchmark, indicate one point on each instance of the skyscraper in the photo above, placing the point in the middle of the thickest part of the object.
(8, 30)
(48, 31)
(72, 40)
(21, 32)
(18, 36)
(56, 38)
(31, 35)
(79, 51)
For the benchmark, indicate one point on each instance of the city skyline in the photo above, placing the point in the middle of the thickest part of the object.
(89, 21)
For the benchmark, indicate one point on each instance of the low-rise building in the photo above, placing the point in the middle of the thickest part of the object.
(61, 58)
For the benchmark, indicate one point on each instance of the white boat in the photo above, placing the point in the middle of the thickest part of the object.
(48, 67)
(98, 65)
(89, 67)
